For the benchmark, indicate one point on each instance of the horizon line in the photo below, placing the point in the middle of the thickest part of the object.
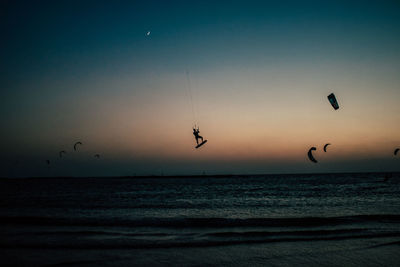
(180, 176)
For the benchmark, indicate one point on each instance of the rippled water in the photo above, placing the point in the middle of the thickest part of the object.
(149, 213)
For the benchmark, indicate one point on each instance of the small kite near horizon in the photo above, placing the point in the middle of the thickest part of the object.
(396, 150)
(310, 155)
(76, 145)
(148, 33)
(61, 153)
(325, 146)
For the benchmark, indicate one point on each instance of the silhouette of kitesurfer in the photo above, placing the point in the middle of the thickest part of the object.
(196, 135)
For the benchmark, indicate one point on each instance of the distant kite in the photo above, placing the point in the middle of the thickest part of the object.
(148, 33)
(333, 101)
(325, 146)
(76, 145)
(61, 153)
(97, 156)
(396, 150)
(310, 155)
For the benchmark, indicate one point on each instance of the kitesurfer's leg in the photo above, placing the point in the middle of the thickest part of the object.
(201, 137)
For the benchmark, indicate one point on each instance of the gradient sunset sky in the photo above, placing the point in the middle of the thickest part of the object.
(254, 75)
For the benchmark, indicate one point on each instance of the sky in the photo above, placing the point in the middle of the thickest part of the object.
(253, 75)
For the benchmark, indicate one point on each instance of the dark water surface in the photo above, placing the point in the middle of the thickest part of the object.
(332, 219)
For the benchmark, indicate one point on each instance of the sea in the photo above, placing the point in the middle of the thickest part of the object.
(350, 219)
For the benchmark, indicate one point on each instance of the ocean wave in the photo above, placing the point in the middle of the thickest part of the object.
(196, 241)
(221, 234)
(179, 222)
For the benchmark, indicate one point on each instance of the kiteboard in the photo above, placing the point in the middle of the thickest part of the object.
(202, 143)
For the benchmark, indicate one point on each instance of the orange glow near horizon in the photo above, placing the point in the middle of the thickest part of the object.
(265, 123)
(246, 116)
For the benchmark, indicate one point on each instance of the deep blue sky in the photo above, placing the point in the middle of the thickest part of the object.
(259, 72)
